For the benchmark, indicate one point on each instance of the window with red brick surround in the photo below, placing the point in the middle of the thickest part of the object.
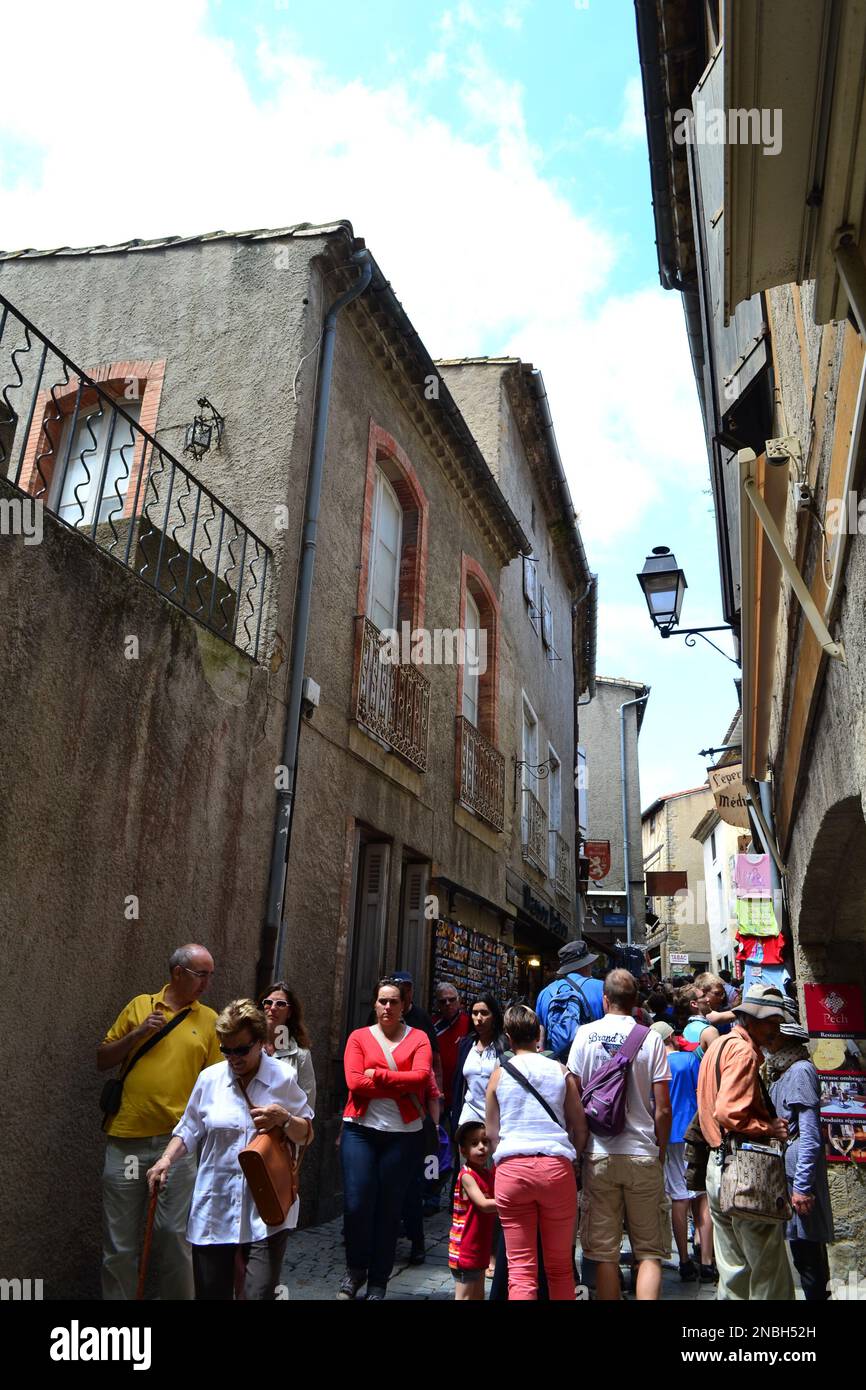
(475, 581)
(128, 383)
(383, 452)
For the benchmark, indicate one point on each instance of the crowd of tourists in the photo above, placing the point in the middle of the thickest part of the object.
(619, 1117)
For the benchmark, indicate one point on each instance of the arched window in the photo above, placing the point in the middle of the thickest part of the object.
(393, 575)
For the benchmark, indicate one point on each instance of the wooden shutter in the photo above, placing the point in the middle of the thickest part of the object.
(413, 949)
(368, 944)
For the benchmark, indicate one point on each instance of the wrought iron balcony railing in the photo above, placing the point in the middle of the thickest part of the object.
(71, 447)
(534, 831)
(562, 877)
(393, 700)
(482, 774)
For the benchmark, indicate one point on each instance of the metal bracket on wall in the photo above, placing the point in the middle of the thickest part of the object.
(798, 584)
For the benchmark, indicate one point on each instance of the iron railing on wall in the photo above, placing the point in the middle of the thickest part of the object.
(534, 831)
(393, 700)
(562, 876)
(68, 445)
(482, 774)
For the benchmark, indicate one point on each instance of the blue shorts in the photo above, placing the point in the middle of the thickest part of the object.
(467, 1276)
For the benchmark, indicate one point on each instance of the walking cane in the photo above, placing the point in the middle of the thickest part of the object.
(148, 1238)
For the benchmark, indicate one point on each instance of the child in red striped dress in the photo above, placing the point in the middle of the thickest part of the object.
(470, 1244)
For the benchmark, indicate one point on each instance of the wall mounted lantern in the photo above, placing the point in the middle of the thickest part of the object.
(200, 434)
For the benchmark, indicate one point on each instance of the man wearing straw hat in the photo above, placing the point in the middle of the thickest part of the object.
(751, 1256)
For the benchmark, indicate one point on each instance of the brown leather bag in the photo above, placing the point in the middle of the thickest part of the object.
(271, 1164)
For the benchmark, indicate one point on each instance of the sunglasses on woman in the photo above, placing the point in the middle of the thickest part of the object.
(237, 1051)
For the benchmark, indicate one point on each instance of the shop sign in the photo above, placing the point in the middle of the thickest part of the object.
(729, 794)
(598, 854)
(677, 958)
(543, 913)
(835, 1011)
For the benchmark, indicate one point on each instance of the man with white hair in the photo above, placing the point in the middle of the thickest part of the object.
(161, 1042)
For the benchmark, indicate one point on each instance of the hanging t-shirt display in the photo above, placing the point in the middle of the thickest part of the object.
(756, 917)
(761, 950)
(774, 975)
(752, 875)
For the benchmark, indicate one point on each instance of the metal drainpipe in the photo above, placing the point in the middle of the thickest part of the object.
(626, 852)
(275, 927)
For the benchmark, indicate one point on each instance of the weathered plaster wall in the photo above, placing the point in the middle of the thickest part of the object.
(526, 667)
(600, 736)
(148, 777)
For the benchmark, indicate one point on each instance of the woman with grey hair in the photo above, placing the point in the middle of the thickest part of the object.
(796, 1093)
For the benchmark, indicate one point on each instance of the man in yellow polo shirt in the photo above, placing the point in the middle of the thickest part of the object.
(154, 1097)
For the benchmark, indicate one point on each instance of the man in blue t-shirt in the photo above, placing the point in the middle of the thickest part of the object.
(575, 960)
(684, 1103)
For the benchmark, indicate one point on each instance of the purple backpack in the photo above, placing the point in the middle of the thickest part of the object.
(604, 1095)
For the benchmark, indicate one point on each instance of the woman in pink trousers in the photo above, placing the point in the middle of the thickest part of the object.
(537, 1131)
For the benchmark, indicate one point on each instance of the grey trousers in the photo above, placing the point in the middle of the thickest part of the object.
(124, 1210)
(751, 1256)
(220, 1268)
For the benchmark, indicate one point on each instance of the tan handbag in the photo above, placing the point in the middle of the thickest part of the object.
(271, 1164)
(753, 1183)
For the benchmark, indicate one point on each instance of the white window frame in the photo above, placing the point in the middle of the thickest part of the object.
(471, 678)
(383, 482)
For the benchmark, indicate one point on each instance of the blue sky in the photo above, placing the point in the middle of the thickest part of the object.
(493, 156)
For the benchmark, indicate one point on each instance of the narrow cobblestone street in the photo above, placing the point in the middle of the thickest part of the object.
(314, 1265)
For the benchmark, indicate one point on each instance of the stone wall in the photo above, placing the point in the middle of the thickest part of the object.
(147, 778)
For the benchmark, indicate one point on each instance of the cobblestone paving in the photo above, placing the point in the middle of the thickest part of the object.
(315, 1264)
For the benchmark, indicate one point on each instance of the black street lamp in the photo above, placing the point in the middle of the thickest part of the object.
(664, 586)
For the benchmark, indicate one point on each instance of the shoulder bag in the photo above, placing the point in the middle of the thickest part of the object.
(517, 1075)
(111, 1095)
(392, 1065)
(753, 1183)
(271, 1164)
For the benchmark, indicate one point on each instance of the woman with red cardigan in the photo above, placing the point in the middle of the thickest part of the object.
(388, 1068)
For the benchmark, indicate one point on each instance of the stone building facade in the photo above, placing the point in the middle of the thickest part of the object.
(602, 769)
(771, 267)
(668, 845)
(156, 777)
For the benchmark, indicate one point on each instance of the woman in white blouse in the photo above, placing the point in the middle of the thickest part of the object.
(223, 1217)
(287, 1036)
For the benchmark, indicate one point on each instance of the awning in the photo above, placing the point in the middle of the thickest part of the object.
(798, 69)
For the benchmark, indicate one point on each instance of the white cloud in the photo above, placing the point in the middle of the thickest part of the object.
(484, 252)
(632, 126)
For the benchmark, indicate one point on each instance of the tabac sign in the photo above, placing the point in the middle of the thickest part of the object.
(729, 794)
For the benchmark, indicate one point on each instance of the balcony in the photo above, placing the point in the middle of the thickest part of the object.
(482, 775)
(68, 446)
(534, 831)
(393, 701)
(562, 874)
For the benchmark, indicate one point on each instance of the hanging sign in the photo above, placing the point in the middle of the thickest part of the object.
(729, 794)
(834, 1011)
(598, 854)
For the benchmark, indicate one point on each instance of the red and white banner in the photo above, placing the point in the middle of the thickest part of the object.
(835, 1011)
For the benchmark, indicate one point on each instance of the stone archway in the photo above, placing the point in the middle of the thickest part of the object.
(830, 942)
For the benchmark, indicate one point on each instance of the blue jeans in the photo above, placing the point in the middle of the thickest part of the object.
(377, 1170)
